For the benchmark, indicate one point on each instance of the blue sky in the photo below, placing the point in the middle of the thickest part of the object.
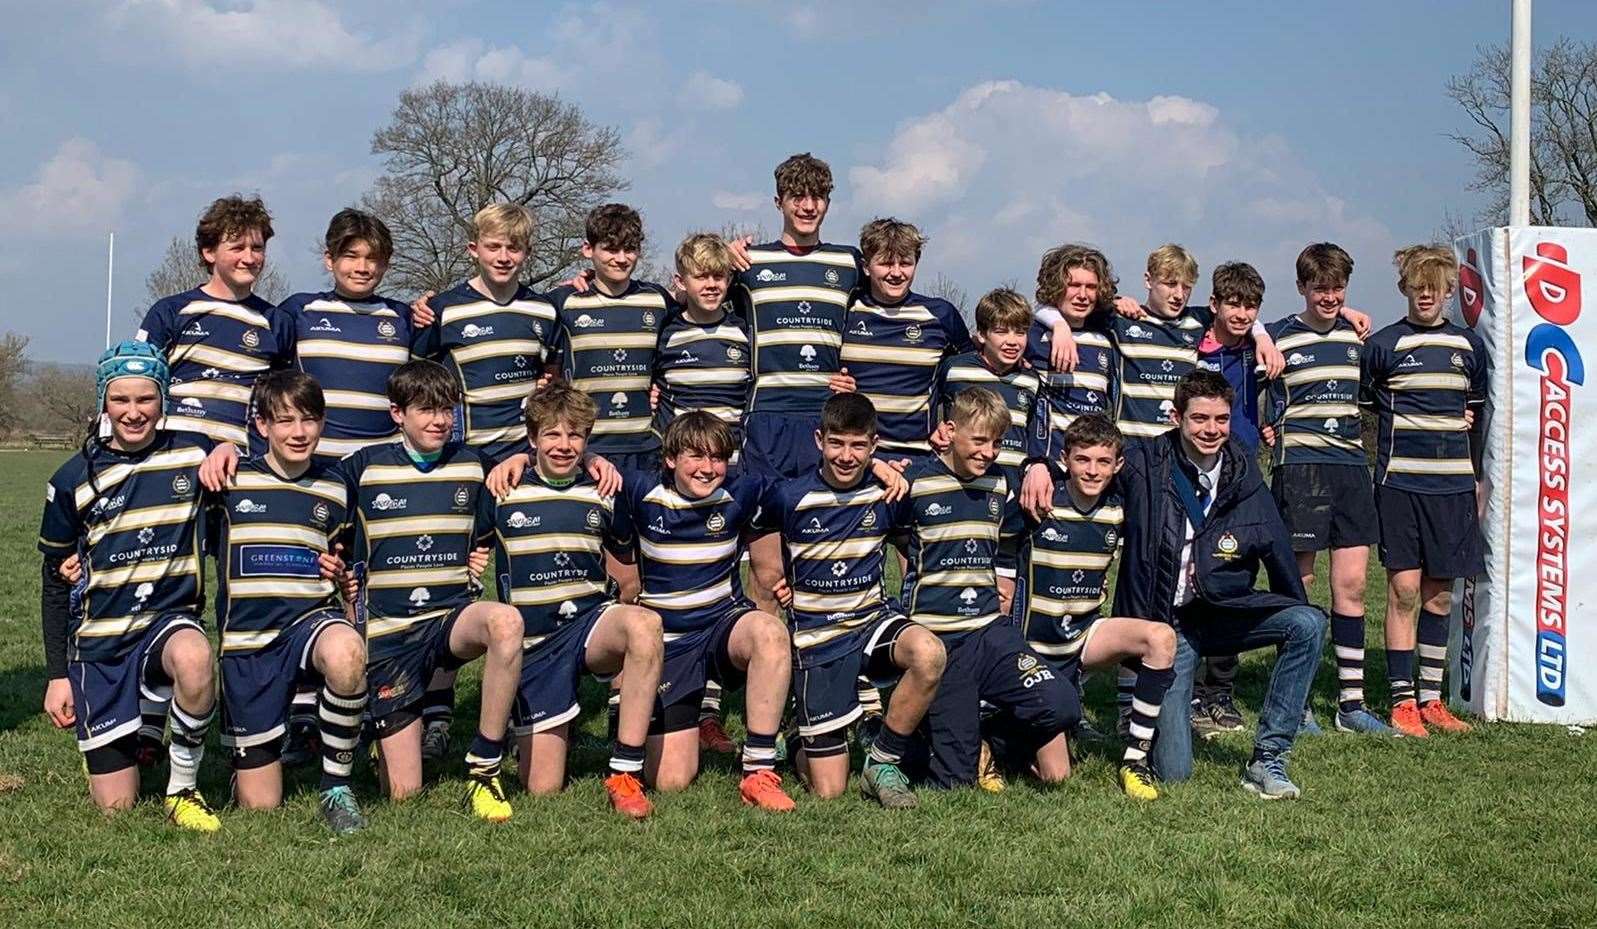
(1241, 129)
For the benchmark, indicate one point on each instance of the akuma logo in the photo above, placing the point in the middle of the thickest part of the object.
(1553, 289)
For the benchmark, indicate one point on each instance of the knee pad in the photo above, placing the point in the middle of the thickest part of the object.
(826, 745)
(114, 756)
(257, 756)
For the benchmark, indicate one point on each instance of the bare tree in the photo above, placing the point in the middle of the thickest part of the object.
(13, 365)
(180, 270)
(949, 289)
(66, 399)
(1563, 146)
(452, 149)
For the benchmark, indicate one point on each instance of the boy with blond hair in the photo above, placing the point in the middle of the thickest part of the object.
(1426, 377)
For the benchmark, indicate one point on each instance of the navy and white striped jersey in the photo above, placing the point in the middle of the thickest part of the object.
(350, 347)
(833, 545)
(1313, 405)
(270, 532)
(498, 352)
(1420, 381)
(1065, 396)
(135, 520)
(607, 349)
(415, 526)
(1154, 354)
(795, 301)
(1017, 387)
(688, 550)
(703, 367)
(549, 550)
(950, 585)
(893, 353)
(216, 349)
(1064, 569)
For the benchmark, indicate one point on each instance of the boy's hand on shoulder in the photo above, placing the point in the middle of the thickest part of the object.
(1129, 308)
(507, 475)
(582, 281)
(941, 437)
(1037, 491)
(218, 468)
(842, 382)
(1274, 362)
(740, 252)
(891, 474)
(1360, 321)
(1062, 355)
(604, 474)
(421, 315)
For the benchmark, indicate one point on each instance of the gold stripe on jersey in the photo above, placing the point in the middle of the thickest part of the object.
(389, 578)
(532, 492)
(687, 552)
(794, 379)
(798, 294)
(328, 447)
(277, 533)
(771, 256)
(689, 599)
(1086, 561)
(1130, 349)
(278, 587)
(941, 623)
(661, 495)
(890, 403)
(231, 362)
(1430, 466)
(377, 628)
(1062, 607)
(809, 638)
(332, 491)
(721, 333)
(611, 382)
(853, 601)
(1441, 380)
(623, 426)
(947, 483)
(210, 428)
(114, 625)
(247, 641)
(552, 542)
(212, 390)
(1084, 379)
(918, 314)
(1321, 410)
(1429, 422)
(892, 354)
(863, 496)
(961, 529)
(514, 390)
(1148, 391)
(796, 336)
(408, 474)
(170, 459)
(1316, 440)
(537, 309)
(1300, 339)
(555, 593)
(857, 547)
(350, 351)
(1112, 515)
(502, 348)
(1052, 650)
(128, 520)
(1432, 340)
(230, 310)
(339, 306)
(497, 434)
(141, 571)
(380, 527)
(647, 299)
(1322, 373)
(960, 577)
(605, 341)
(686, 376)
(355, 400)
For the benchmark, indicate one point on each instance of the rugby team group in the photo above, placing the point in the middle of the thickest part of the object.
(617, 450)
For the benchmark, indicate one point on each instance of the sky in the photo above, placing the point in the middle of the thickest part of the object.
(1243, 130)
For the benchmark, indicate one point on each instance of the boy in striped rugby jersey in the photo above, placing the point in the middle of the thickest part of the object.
(279, 527)
(1063, 578)
(1426, 378)
(220, 336)
(1321, 477)
(552, 529)
(122, 592)
(952, 519)
(689, 522)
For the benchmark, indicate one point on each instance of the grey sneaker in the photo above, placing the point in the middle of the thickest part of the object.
(1266, 778)
(887, 785)
(1362, 721)
(435, 740)
(341, 811)
(1309, 726)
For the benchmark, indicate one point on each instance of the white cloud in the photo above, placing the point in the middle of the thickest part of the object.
(473, 60)
(1007, 170)
(281, 33)
(727, 200)
(78, 190)
(705, 91)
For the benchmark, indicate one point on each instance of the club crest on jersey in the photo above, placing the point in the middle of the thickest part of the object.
(733, 353)
(1352, 353)
(1458, 360)
(869, 521)
(387, 329)
(182, 485)
(1103, 362)
(321, 513)
(648, 319)
(1226, 547)
(1053, 535)
(618, 401)
(992, 506)
(832, 277)
(1109, 536)
(593, 519)
(251, 339)
(715, 523)
(142, 593)
(913, 333)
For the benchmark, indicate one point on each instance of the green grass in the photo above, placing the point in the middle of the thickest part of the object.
(1490, 829)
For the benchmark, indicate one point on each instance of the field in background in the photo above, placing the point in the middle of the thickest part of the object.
(1495, 828)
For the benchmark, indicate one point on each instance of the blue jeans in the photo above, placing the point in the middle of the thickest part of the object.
(1299, 634)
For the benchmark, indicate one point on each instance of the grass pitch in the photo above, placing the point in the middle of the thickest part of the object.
(1495, 828)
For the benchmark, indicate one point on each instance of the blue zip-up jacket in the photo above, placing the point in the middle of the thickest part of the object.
(1242, 533)
(1236, 365)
